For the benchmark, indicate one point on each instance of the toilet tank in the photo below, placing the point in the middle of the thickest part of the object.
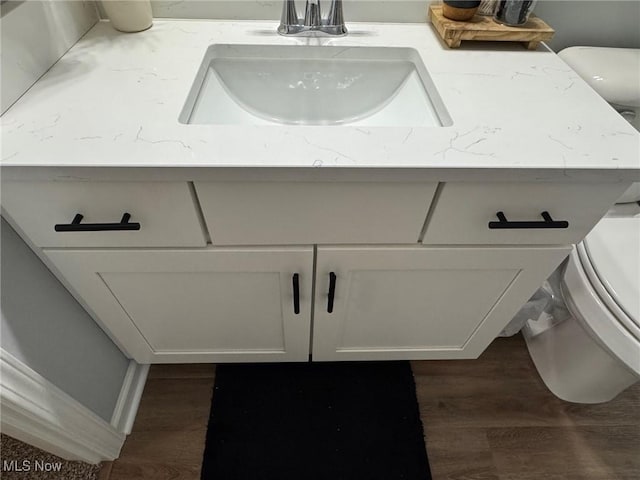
(615, 74)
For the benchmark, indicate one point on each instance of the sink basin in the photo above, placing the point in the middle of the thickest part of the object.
(313, 85)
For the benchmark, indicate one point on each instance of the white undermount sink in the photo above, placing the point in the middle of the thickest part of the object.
(313, 85)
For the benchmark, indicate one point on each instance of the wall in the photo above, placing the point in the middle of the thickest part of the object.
(44, 327)
(355, 10)
(612, 23)
(41, 324)
(35, 34)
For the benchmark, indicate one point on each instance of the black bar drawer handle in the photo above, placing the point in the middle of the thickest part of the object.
(76, 226)
(332, 292)
(296, 293)
(548, 222)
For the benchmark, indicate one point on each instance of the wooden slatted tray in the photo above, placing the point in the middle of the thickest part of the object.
(483, 27)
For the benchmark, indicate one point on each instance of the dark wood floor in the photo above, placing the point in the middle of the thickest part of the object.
(490, 418)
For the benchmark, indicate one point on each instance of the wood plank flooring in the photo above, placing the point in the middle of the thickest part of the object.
(490, 418)
(493, 418)
(167, 441)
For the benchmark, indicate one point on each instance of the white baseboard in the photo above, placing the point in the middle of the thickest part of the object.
(129, 399)
(37, 412)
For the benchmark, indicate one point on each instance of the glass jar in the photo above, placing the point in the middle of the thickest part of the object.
(487, 7)
(514, 12)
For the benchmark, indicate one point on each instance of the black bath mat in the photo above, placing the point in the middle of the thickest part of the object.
(315, 421)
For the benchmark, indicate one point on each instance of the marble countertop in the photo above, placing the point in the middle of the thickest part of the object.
(114, 100)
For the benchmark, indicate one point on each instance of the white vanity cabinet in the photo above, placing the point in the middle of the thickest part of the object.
(200, 305)
(173, 291)
(436, 233)
(383, 303)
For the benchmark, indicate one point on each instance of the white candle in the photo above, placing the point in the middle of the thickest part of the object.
(129, 15)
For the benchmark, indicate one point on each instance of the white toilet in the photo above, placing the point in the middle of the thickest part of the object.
(595, 354)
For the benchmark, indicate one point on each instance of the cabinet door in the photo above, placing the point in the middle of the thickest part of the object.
(420, 302)
(209, 305)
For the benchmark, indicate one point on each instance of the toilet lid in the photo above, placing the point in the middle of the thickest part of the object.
(613, 248)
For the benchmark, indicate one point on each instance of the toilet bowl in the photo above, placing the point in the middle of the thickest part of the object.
(594, 354)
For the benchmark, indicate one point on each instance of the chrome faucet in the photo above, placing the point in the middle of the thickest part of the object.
(312, 25)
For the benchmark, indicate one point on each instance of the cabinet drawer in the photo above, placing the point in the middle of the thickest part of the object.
(276, 213)
(464, 210)
(164, 210)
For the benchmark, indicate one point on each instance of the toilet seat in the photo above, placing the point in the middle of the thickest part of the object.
(609, 302)
(601, 306)
(611, 257)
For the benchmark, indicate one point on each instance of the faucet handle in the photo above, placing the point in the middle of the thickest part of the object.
(336, 18)
(289, 17)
